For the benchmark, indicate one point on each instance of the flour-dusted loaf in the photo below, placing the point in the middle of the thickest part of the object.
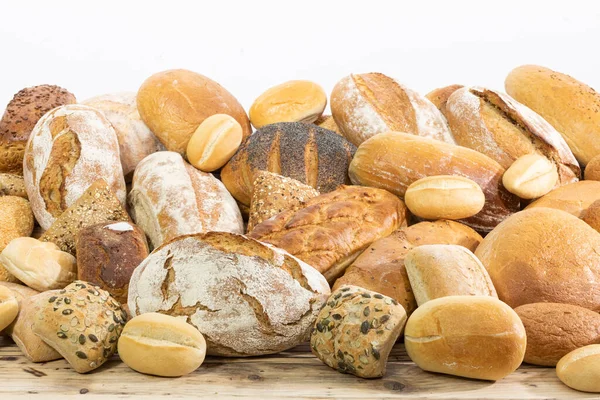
(70, 147)
(439, 97)
(364, 105)
(170, 198)
(136, 140)
(332, 229)
(245, 297)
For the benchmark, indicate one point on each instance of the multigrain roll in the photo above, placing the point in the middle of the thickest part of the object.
(364, 105)
(21, 115)
(304, 152)
(572, 107)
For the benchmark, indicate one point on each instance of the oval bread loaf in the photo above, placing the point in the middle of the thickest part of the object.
(214, 142)
(580, 369)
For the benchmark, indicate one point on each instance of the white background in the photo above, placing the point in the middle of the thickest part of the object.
(97, 47)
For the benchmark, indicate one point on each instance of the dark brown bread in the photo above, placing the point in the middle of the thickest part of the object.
(314, 156)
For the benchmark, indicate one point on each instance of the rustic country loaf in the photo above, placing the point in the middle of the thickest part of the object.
(439, 97)
(304, 152)
(245, 297)
(107, 254)
(135, 139)
(503, 129)
(174, 103)
(364, 105)
(380, 267)
(12, 185)
(476, 337)
(572, 107)
(580, 369)
(356, 331)
(70, 147)
(543, 255)
(554, 330)
(21, 115)
(170, 198)
(332, 229)
(393, 161)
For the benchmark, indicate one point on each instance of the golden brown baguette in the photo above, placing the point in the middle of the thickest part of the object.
(439, 97)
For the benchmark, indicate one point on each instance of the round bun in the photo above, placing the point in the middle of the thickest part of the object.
(543, 255)
(573, 198)
(174, 103)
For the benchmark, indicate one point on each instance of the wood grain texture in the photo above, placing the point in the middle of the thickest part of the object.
(292, 374)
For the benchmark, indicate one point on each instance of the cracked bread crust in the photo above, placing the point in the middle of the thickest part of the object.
(247, 298)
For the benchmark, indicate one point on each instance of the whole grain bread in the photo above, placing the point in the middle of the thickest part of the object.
(12, 185)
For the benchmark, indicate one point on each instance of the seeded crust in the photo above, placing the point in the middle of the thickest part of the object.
(314, 156)
(21, 115)
(82, 322)
(356, 330)
(12, 185)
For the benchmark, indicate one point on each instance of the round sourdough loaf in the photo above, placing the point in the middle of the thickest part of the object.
(543, 255)
(245, 297)
(170, 198)
(69, 149)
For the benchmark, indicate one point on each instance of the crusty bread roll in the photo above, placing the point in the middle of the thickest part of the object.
(21, 115)
(591, 215)
(439, 97)
(530, 176)
(9, 307)
(592, 169)
(393, 161)
(329, 231)
(245, 297)
(304, 152)
(174, 103)
(570, 106)
(580, 369)
(364, 105)
(496, 125)
(543, 255)
(69, 149)
(214, 142)
(476, 337)
(16, 220)
(574, 198)
(380, 267)
(136, 141)
(170, 198)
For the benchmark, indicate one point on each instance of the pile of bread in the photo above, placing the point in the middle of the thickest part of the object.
(160, 225)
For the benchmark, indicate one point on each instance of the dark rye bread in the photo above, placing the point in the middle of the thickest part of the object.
(314, 156)
(21, 115)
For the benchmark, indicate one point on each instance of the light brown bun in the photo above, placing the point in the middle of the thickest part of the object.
(327, 122)
(16, 220)
(214, 142)
(439, 270)
(174, 103)
(592, 169)
(580, 369)
(530, 176)
(439, 97)
(572, 107)
(161, 345)
(19, 292)
(591, 215)
(543, 255)
(329, 231)
(380, 267)
(364, 105)
(9, 307)
(574, 198)
(444, 197)
(21, 115)
(292, 101)
(554, 330)
(476, 337)
(12, 185)
(393, 161)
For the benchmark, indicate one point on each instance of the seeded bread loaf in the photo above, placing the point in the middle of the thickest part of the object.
(170, 198)
(70, 147)
(314, 156)
(21, 115)
(12, 185)
(82, 322)
(332, 229)
(356, 331)
(245, 297)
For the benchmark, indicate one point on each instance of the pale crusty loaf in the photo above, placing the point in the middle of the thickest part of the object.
(136, 141)
(12, 185)
(393, 161)
(170, 198)
(314, 156)
(21, 115)
(70, 147)
(332, 229)
(543, 255)
(245, 297)
(364, 105)
(380, 267)
(554, 330)
(356, 331)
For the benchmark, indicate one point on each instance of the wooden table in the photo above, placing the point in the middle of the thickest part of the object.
(292, 374)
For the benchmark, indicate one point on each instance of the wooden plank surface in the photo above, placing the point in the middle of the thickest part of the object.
(292, 374)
